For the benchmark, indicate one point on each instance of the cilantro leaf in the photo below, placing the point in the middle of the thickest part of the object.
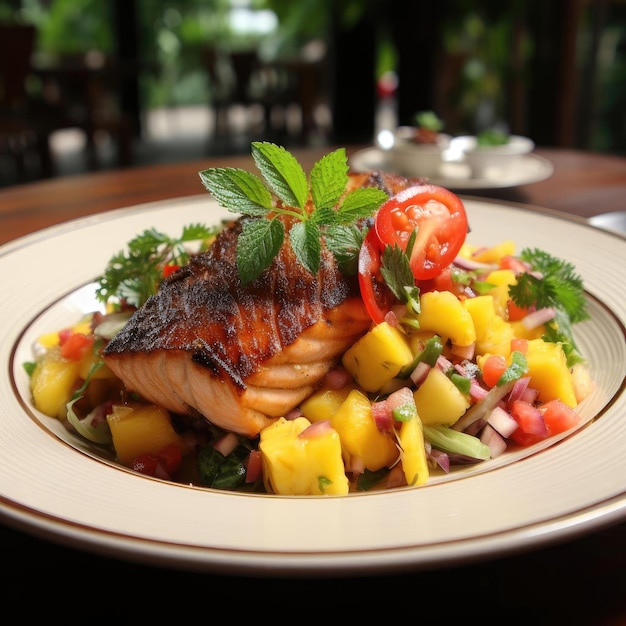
(558, 285)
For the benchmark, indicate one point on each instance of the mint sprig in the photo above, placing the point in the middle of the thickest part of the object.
(321, 209)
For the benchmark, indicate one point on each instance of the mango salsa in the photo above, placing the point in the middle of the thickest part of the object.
(296, 464)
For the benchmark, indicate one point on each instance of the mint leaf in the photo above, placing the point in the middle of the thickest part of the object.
(305, 240)
(361, 203)
(283, 173)
(259, 243)
(237, 190)
(344, 241)
(315, 210)
(329, 178)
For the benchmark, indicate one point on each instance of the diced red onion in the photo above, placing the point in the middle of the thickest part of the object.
(441, 458)
(491, 438)
(338, 378)
(481, 409)
(520, 386)
(538, 318)
(464, 352)
(316, 429)
(502, 421)
(383, 416)
(418, 375)
(226, 444)
(470, 264)
(443, 364)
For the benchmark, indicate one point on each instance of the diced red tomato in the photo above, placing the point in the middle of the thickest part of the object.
(559, 417)
(254, 467)
(517, 266)
(516, 313)
(165, 464)
(172, 458)
(493, 367)
(436, 215)
(519, 345)
(168, 270)
(532, 427)
(74, 346)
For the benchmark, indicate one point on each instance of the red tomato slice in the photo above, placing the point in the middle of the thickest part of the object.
(376, 295)
(440, 219)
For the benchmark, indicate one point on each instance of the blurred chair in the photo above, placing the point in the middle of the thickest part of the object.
(70, 94)
(24, 132)
(231, 78)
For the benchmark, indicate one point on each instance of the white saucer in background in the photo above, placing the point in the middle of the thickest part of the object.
(456, 174)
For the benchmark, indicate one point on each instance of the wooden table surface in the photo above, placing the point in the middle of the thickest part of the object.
(578, 581)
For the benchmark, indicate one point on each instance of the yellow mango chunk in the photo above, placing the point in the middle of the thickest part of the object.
(141, 429)
(497, 338)
(302, 465)
(361, 440)
(443, 313)
(547, 368)
(413, 452)
(438, 400)
(53, 382)
(493, 254)
(377, 357)
(482, 311)
(323, 403)
(501, 279)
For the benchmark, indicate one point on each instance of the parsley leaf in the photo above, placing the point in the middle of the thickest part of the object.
(553, 283)
(134, 274)
(322, 211)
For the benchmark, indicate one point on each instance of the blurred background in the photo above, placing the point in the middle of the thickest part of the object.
(95, 84)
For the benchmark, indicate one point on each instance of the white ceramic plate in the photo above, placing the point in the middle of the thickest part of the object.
(56, 487)
(455, 174)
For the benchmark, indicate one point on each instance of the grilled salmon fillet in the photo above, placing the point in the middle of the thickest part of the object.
(242, 355)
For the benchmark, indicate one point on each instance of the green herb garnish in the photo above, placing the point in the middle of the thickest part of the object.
(553, 283)
(136, 273)
(428, 120)
(319, 207)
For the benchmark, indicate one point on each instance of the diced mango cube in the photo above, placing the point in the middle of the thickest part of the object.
(413, 452)
(53, 383)
(497, 338)
(547, 368)
(141, 429)
(493, 254)
(482, 311)
(323, 403)
(362, 442)
(297, 463)
(377, 357)
(443, 313)
(439, 400)
(501, 279)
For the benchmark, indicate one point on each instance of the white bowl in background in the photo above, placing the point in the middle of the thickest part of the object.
(491, 161)
(413, 159)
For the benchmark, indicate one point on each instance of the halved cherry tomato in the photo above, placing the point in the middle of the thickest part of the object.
(376, 295)
(440, 219)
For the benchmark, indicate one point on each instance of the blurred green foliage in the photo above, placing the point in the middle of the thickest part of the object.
(477, 43)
